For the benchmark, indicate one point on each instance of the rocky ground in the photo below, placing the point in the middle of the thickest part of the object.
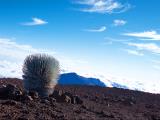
(76, 103)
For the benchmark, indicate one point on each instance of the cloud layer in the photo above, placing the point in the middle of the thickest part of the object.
(35, 21)
(134, 52)
(119, 22)
(150, 47)
(103, 6)
(147, 35)
(101, 29)
(13, 54)
(9, 48)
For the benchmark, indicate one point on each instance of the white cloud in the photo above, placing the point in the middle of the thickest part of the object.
(134, 52)
(103, 6)
(116, 39)
(110, 41)
(10, 49)
(35, 21)
(10, 68)
(119, 22)
(12, 55)
(151, 47)
(101, 29)
(147, 35)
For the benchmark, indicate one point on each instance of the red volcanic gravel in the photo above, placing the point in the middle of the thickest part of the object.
(76, 103)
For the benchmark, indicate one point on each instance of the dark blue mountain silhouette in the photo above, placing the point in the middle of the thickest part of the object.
(74, 79)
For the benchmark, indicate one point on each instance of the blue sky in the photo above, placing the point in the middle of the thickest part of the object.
(118, 38)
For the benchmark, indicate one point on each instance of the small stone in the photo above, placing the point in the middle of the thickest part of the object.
(53, 100)
(77, 100)
(83, 106)
(45, 101)
(67, 99)
(28, 98)
(33, 94)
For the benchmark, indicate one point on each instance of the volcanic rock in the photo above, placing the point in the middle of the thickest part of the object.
(74, 102)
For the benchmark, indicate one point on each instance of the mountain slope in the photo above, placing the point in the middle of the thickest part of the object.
(74, 79)
(97, 103)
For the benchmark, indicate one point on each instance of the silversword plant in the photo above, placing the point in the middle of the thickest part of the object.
(40, 73)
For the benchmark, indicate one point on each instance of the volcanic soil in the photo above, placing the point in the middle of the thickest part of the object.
(73, 102)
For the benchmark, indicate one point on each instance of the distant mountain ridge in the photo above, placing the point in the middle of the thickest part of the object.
(75, 79)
